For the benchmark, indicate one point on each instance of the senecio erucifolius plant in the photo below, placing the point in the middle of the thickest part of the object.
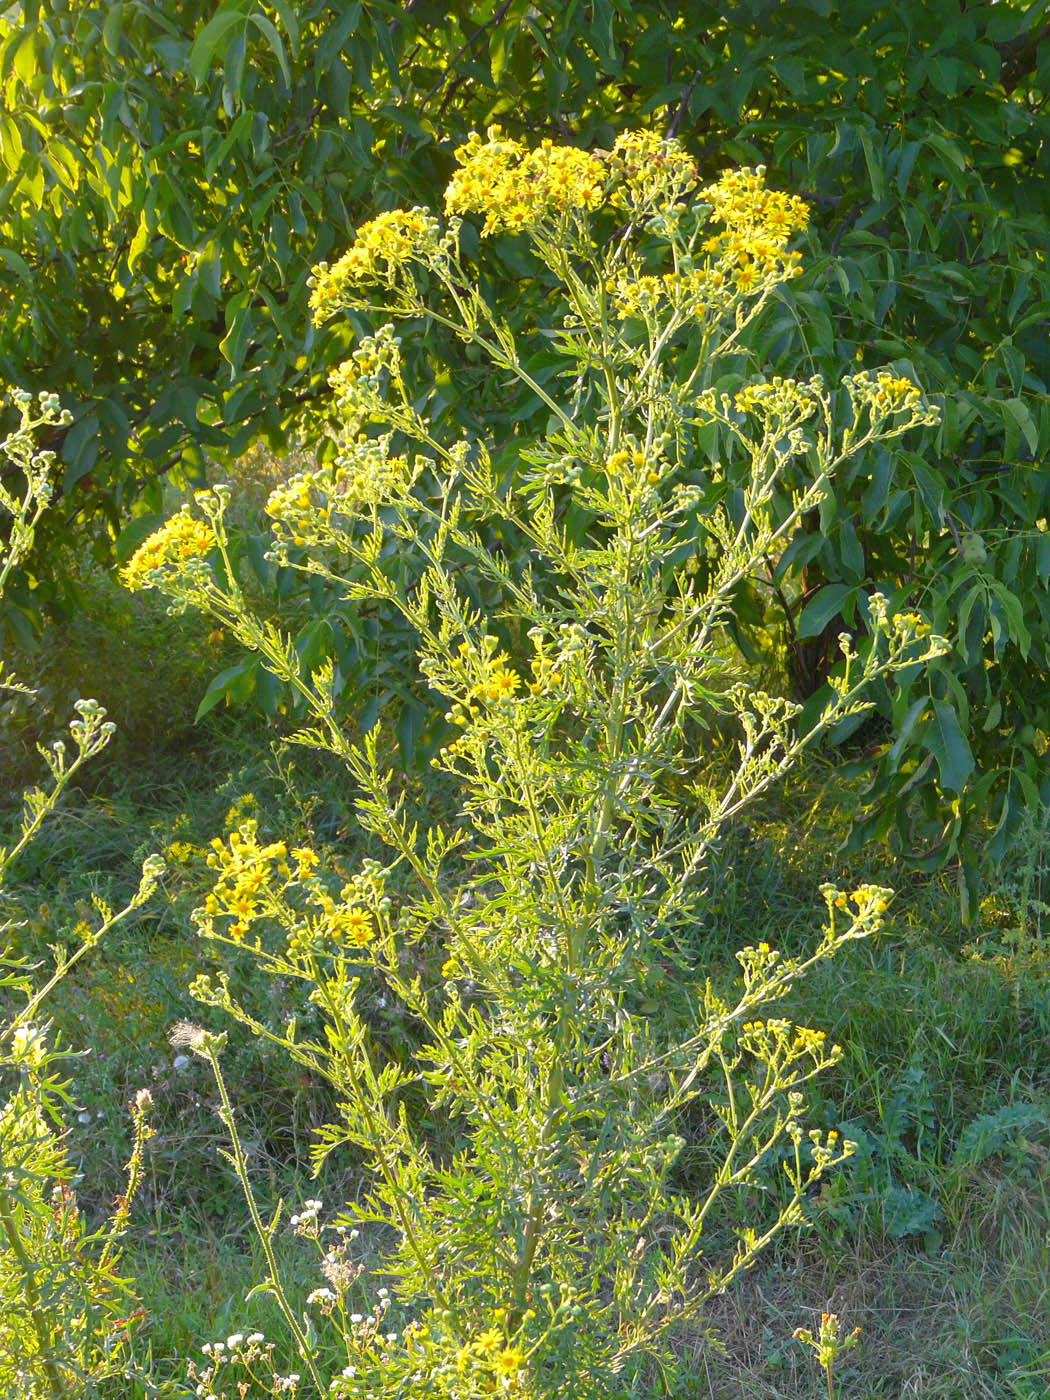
(62, 1300)
(543, 1244)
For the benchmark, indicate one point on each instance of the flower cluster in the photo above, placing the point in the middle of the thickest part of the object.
(486, 678)
(883, 394)
(655, 172)
(307, 508)
(246, 869)
(779, 399)
(304, 1222)
(781, 407)
(908, 627)
(256, 881)
(167, 552)
(516, 188)
(633, 463)
(385, 245)
(547, 672)
(337, 1266)
(490, 1353)
(376, 356)
(362, 384)
(740, 200)
(752, 250)
(757, 962)
(829, 1148)
(691, 292)
(749, 257)
(869, 902)
(829, 1340)
(244, 1363)
(778, 1041)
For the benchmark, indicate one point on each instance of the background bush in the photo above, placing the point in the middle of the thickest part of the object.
(173, 172)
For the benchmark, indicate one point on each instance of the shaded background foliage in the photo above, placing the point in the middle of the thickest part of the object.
(173, 172)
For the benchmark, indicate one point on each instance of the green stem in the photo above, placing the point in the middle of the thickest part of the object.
(265, 1236)
(376, 1129)
(534, 1220)
(32, 1296)
(623, 646)
(502, 356)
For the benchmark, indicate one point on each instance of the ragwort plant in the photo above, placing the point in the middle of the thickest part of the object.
(63, 1304)
(547, 1251)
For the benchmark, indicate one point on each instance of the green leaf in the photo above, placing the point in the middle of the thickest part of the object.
(946, 742)
(269, 32)
(286, 14)
(209, 39)
(907, 1211)
(235, 341)
(16, 263)
(112, 27)
(1013, 611)
(26, 65)
(11, 148)
(823, 608)
(235, 683)
(991, 1133)
(906, 728)
(134, 533)
(1017, 410)
(875, 171)
(137, 246)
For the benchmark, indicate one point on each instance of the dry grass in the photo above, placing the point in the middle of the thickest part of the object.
(970, 1322)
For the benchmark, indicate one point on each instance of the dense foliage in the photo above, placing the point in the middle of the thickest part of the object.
(61, 1329)
(174, 172)
(523, 920)
(574, 566)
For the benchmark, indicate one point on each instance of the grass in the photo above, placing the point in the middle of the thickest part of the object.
(932, 1239)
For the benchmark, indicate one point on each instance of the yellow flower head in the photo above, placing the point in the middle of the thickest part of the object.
(515, 188)
(306, 861)
(357, 925)
(177, 542)
(386, 243)
(508, 1362)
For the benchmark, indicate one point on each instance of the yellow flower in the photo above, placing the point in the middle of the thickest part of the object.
(357, 924)
(386, 243)
(508, 1362)
(515, 188)
(502, 685)
(242, 906)
(746, 276)
(306, 861)
(179, 540)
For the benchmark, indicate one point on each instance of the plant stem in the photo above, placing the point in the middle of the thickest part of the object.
(265, 1235)
(32, 1295)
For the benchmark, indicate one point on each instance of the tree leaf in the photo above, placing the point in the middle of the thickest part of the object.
(269, 32)
(946, 742)
(209, 39)
(823, 608)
